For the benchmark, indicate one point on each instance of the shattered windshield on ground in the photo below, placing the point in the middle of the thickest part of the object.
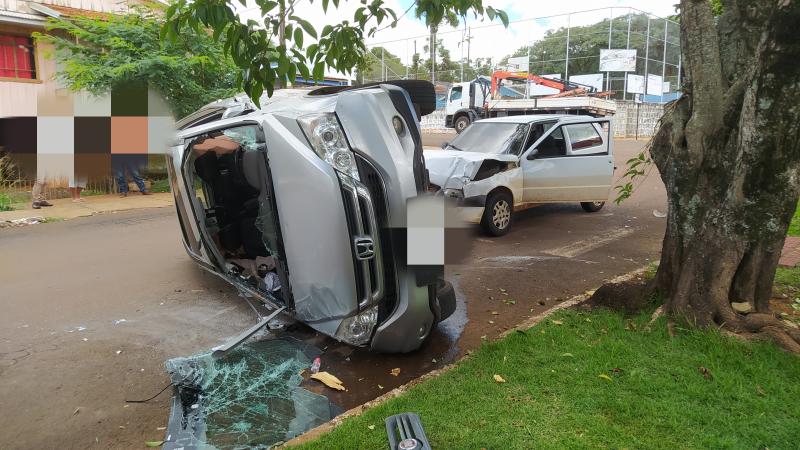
(249, 398)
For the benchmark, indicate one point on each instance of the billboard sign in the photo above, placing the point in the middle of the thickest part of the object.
(594, 80)
(518, 63)
(635, 84)
(655, 84)
(617, 60)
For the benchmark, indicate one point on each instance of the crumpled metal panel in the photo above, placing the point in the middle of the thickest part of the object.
(250, 398)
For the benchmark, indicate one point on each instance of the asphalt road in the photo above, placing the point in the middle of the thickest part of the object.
(68, 362)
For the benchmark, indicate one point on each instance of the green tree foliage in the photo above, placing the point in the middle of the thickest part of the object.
(271, 50)
(99, 54)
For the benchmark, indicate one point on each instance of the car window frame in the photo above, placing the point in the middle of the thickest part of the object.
(602, 145)
(528, 154)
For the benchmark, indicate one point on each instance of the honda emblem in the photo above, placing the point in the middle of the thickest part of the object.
(365, 247)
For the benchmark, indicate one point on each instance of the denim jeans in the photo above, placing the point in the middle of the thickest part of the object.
(119, 173)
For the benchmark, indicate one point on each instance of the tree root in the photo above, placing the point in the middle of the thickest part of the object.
(765, 324)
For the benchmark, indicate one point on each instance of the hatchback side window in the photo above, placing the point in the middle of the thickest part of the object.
(583, 137)
(553, 145)
(455, 93)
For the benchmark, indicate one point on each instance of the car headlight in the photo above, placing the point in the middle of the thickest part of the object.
(327, 139)
(357, 330)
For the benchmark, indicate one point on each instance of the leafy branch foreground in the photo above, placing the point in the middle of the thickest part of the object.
(598, 379)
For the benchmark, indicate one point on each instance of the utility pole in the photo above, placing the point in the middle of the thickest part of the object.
(433, 53)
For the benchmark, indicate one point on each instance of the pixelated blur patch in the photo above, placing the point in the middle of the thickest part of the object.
(129, 134)
(18, 135)
(129, 99)
(92, 134)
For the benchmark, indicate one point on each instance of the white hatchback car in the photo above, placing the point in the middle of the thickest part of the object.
(500, 165)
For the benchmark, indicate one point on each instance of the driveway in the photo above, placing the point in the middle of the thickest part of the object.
(68, 361)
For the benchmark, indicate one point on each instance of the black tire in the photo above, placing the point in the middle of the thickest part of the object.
(498, 213)
(592, 206)
(422, 93)
(461, 123)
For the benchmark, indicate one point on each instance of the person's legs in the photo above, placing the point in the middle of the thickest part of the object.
(38, 195)
(138, 180)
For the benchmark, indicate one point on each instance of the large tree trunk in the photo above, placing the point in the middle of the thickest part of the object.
(729, 154)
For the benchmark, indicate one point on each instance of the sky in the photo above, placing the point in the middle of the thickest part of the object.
(489, 39)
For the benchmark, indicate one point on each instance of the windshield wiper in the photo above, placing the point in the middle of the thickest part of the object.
(456, 147)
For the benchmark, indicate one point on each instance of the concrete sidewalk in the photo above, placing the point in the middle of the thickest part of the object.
(96, 204)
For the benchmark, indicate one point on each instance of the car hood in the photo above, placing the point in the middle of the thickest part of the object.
(455, 165)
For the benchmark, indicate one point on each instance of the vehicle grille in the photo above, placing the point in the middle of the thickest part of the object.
(374, 183)
(363, 227)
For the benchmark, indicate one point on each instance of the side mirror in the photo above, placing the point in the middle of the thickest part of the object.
(445, 144)
(533, 154)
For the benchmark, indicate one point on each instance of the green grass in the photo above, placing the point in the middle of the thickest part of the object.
(159, 185)
(554, 396)
(794, 226)
(6, 203)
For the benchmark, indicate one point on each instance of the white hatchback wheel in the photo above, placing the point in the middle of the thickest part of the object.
(501, 214)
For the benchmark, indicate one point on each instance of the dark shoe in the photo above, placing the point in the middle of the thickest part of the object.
(123, 194)
(146, 193)
(44, 203)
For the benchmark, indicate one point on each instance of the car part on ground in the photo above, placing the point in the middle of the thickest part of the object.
(405, 432)
(317, 183)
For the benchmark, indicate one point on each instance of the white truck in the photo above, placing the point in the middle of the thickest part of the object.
(508, 94)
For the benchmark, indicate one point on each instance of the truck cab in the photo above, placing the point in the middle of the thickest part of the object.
(465, 102)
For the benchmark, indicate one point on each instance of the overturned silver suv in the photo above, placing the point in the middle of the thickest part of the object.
(303, 203)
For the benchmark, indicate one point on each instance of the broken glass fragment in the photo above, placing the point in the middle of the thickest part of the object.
(249, 398)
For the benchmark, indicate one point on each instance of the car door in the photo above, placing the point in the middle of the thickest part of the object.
(572, 162)
(192, 238)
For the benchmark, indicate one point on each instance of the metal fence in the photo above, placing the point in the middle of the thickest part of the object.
(563, 45)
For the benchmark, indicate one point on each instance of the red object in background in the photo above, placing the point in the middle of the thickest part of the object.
(16, 57)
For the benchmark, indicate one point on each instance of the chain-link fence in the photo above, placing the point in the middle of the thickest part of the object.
(564, 46)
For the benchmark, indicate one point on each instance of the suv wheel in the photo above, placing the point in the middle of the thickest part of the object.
(592, 206)
(461, 123)
(497, 214)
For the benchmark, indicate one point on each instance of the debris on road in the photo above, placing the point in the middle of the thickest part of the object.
(499, 379)
(328, 380)
(22, 222)
(119, 321)
(395, 372)
(315, 365)
(659, 214)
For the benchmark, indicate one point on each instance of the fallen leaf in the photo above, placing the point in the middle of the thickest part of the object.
(77, 410)
(706, 373)
(380, 387)
(502, 290)
(499, 379)
(605, 377)
(760, 390)
(568, 355)
(491, 322)
(557, 322)
(495, 313)
(328, 380)
(371, 427)
(433, 360)
(161, 428)
(483, 338)
(395, 372)
(153, 444)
